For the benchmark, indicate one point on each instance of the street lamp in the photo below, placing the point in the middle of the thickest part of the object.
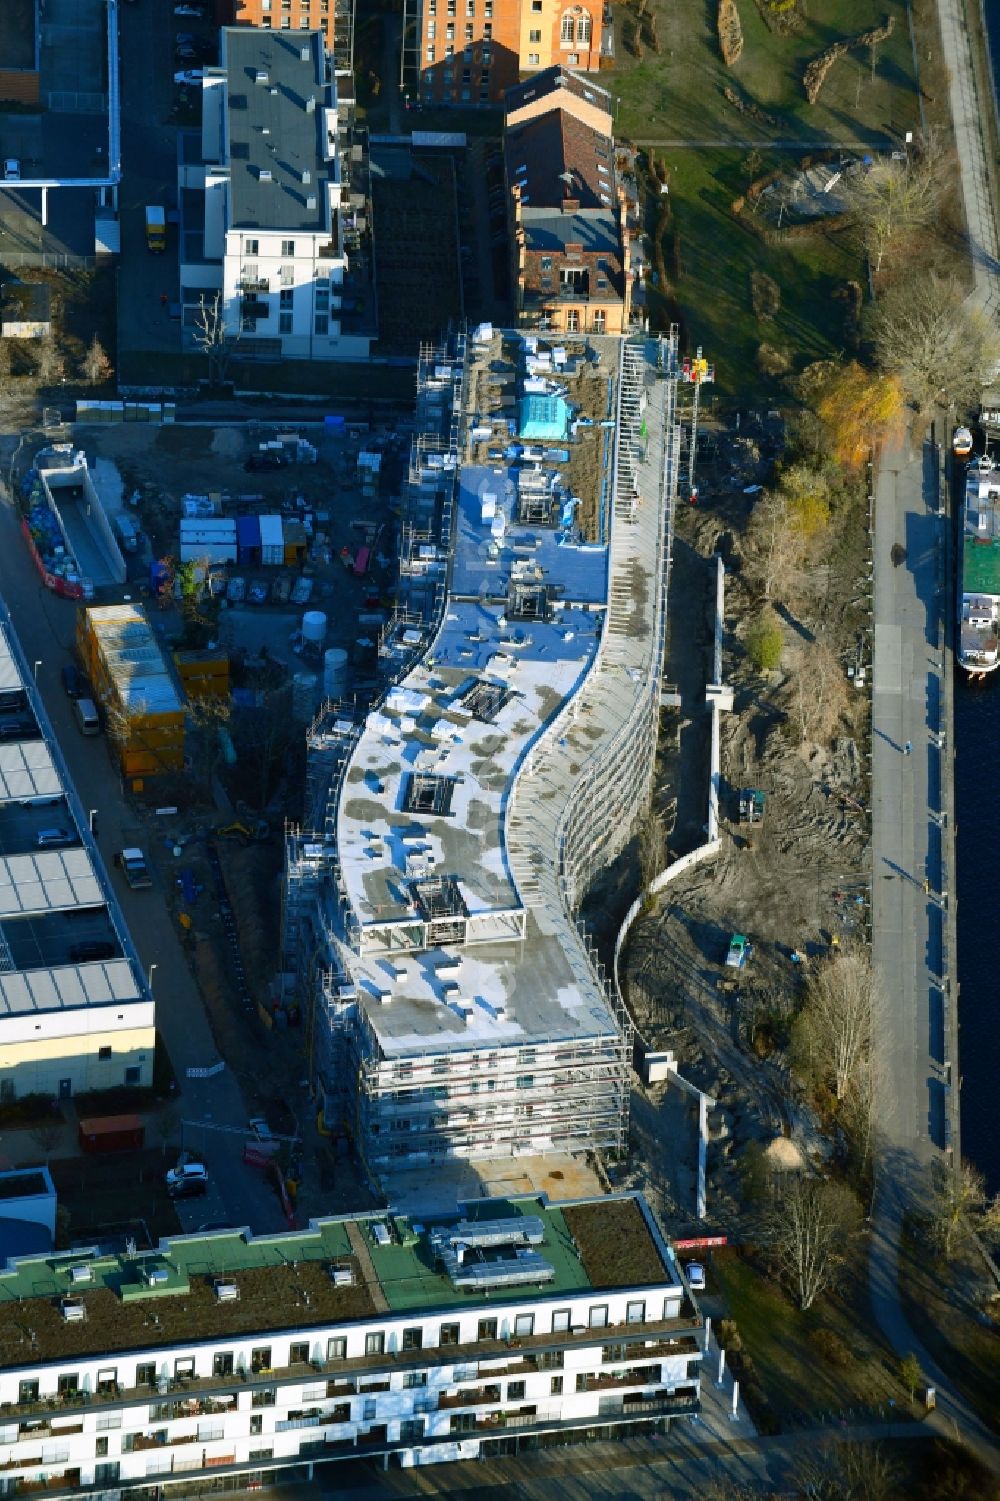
(152, 967)
(34, 670)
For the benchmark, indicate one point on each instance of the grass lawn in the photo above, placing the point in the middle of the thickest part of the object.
(968, 1352)
(795, 1372)
(715, 255)
(676, 93)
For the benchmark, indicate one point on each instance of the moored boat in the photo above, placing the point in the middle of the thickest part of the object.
(978, 647)
(961, 442)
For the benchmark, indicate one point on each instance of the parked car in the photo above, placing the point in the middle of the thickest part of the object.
(73, 681)
(191, 1188)
(184, 52)
(49, 839)
(696, 1276)
(184, 1174)
(261, 461)
(12, 169)
(189, 8)
(132, 864)
(92, 948)
(190, 75)
(739, 951)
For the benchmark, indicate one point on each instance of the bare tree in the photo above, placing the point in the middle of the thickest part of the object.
(212, 336)
(807, 1229)
(96, 366)
(652, 847)
(893, 200)
(959, 1208)
(942, 349)
(772, 547)
(46, 1134)
(836, 1027)
(817, 693)
(846, 1472)
(50, 365)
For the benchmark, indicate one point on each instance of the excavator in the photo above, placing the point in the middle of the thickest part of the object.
(256, 831)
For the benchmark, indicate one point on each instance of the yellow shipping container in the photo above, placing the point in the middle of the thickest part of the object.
(131, 676)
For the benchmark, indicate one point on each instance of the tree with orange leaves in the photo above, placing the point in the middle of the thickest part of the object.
(857, 408)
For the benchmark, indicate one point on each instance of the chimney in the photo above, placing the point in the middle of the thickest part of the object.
(570, 205)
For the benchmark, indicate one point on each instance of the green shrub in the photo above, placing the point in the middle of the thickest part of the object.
(764, 641)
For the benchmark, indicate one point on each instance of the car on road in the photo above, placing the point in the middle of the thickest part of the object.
(696, 1276)
(189, 8)
(73, 681)
(190, 75)
(12, 169)
(132, 863)
(187, 1178)
(90, 949)
(48, 839)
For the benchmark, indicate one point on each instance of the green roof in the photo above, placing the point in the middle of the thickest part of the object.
(981, 567)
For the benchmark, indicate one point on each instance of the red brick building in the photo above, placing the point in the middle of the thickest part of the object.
(571, 265)
(472, 51)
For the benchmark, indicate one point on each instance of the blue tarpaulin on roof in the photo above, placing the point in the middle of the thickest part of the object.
(542, 417)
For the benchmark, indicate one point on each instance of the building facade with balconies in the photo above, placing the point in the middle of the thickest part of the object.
(226, 1362)
(273, 202)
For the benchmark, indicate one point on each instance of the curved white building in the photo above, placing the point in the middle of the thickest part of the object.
(456, 1010)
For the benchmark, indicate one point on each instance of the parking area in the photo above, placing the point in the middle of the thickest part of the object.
(68, 135)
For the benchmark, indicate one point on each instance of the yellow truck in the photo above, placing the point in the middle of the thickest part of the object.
(156, 227)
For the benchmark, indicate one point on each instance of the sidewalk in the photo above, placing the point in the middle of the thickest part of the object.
(966, 114)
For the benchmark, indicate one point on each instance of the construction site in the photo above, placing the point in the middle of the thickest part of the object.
(455, 1010)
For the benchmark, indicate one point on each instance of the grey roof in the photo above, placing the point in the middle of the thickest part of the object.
(272, 129)
(26, 770)
(68, 987)
(548, 229)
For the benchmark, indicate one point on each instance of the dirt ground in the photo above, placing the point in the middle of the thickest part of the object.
(797, 885)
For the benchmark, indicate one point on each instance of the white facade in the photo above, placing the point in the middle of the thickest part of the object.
(423, 1385)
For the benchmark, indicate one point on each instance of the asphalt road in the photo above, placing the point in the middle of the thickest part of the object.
(45, 626)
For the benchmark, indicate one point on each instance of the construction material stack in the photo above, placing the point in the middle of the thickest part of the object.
(143, 711)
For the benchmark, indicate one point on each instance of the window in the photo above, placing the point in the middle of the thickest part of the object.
(184, 1367)
(103, 1054)
(260, 1358)
(101, 1447)
(484, 76)
(532, 59)
(284, 323)
(375, 1344)
(266, 1397)
(581, 1381)
(467, 78)
(413, 1379)
(222, 1363)
(107, 1380)
(288, 247)
(450, 1334)
(515, 1391)
(536, 7)
(336, 1349)
(449, 32)
(430, 59)
(286, 23)
(432, 9)
(27, 1391)
(583, 30)
(287, 297)
(321, 327)
(635, 1313)
(298, 1352)
(566, 31)
(256, 1422)
(574, 59)
(466, 93)
(411, 1430)
(463, 1422)
(432, 27)
(261, 1453)
(572, 321)
(449, 51)
(599, 1316)
(266, 22)
(552, 1360)
(468, 31)
(303, 23)
(369, 1409)
(133, 1074)
(106, 1474)
(546, 263)
(470, 7)
(487, 1329)
(534, 36)
(145, 1373)
(524, 1324)
(413, 1339)
(555, 1386)
(67, 1385)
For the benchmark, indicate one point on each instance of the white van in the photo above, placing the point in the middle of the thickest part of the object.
(86, 716)
(128, 532)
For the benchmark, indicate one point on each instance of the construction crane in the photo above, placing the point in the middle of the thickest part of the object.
(696, 372)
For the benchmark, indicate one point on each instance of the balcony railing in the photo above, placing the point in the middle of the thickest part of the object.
(254, 283)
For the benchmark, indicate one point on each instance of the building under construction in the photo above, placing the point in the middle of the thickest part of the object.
(454, 1007)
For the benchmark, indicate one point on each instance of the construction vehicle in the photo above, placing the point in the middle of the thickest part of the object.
(752, 802)
(156, 227)
(132, 864)
(257, 831)
(739, 951)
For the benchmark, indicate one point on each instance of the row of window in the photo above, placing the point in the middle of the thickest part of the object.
(286, 23)
(470, 8)
(449, 51)
(261, 1356)
(324, 8)
(252, 248)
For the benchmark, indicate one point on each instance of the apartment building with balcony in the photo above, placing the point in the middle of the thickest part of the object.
(571, 264)
(227, 1362)
(275, 220)
(469, 52)
(76, 1013)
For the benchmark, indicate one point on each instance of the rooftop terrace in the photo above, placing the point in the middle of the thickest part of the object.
(285, 1281)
